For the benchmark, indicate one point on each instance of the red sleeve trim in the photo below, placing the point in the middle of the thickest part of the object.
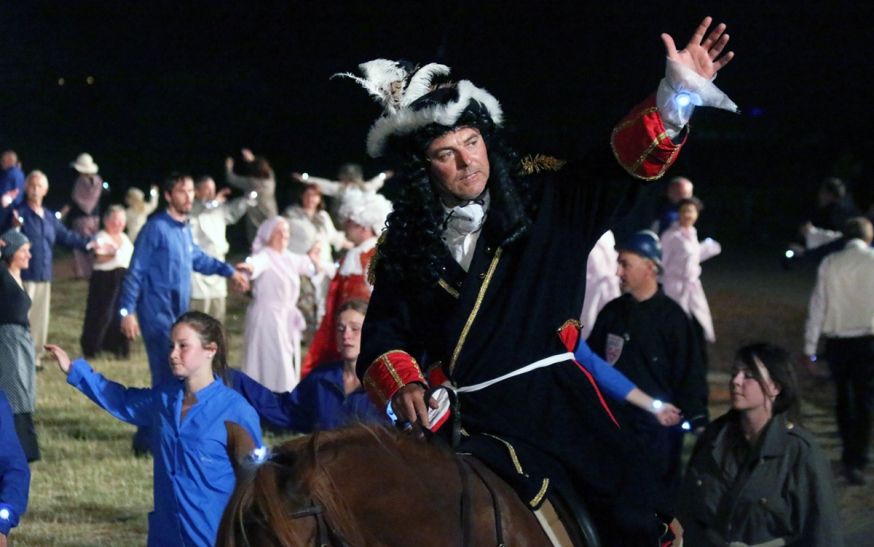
(641, 144)
(390, 372)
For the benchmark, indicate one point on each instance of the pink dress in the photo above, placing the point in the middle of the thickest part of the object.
(682, 255)
(273, 322)
(602, 283)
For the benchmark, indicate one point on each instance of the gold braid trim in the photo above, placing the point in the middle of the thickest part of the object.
(573, 322)
(543, 488)
(540, 162)
(448, 288)
(511, 451)
(479, 300)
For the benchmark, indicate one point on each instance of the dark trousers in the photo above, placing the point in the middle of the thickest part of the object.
(102, 328)
(27, 435)
(852, 367)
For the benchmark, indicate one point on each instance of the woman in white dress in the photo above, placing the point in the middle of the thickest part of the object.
(682, 255)
(273, 322)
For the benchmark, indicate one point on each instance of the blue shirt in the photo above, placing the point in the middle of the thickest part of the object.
(317, 403)
(14, 473)
(43, 232)
(158, 281)
(194, 477)
(11, 179)
(614, 383)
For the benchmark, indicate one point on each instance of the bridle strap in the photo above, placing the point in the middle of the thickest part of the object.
(466, 507)
(496, 506)
(324, 533)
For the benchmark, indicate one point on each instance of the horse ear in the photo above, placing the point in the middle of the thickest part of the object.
(240, 445)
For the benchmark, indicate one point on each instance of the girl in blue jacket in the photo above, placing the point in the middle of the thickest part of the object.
(194, 477)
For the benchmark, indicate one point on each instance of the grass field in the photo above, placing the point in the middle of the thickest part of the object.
(89, 490)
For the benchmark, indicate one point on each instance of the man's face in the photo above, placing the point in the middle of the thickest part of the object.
(35, 188)
(179, 199)
(459, 163)
(636, 274)
(8, 160)
(356, 233)
(205, 191)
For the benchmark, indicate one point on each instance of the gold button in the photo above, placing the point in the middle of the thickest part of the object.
(482, 276)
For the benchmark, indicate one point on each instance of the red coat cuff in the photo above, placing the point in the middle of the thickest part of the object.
(390, 372)
(642, 145)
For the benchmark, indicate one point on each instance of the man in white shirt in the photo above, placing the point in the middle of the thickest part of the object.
(842, 310)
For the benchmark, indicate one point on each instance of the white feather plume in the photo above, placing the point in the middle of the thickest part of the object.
(385, 80)
(421, 81)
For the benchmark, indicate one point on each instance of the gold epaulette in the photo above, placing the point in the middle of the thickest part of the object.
(540, 162)
(371, 268)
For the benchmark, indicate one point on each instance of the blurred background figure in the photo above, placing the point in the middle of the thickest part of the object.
(841, 310)
(259, 178)
(822, 234)
(138, 209)
(211, 213)
(17, 356)
(679, 188)
(11, 179)
(602, 284)
(682, 255)
(273, 322)
(101, 330)
(328, 398)
(756, 477)
(84, 213)
(311, 223)
(349, 176)
(363, 215)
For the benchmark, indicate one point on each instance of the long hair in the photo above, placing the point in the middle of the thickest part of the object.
(412, 251)
(210, 331)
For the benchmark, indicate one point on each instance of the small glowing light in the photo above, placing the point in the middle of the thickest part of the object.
(686, 426)
(789, 253)
(89, 80)
(4, 514)
(683, 99)
(61, 82)
(253, 195)
(259, 455)
(123, 312)
(305, 176)
(656, 404)
(248, 260)
(382, 176)
(105, 185)
(813, 358)
(153, 192)
(212, 204)
(58, 215)
(101, 241)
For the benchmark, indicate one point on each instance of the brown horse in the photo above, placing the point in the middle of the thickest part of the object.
(369, 486)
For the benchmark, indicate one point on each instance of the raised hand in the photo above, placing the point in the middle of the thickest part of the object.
(60, 356)
(703, 55)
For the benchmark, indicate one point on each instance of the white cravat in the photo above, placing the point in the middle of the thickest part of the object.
(462, 227)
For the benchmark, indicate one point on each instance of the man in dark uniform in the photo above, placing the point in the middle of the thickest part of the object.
(649, 338)
(483, 262)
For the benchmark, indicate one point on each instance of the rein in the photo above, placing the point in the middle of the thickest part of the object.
(463, 466)
(324, 533)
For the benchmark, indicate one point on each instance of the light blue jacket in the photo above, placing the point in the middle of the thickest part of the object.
(193, 473)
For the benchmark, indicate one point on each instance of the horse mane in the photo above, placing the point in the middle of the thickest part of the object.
(301, 472)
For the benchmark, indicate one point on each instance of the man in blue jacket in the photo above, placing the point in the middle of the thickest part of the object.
(157, 287)
(14, 473)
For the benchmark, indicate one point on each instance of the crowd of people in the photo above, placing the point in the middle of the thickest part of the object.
(462, 282)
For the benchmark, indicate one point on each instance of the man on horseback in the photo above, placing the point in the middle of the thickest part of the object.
(481, 269)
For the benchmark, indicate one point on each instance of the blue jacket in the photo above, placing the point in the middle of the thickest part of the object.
(193, 473)
(317, 403)
(43, 232)
(157, 285)
(11, 179)
(14, 473)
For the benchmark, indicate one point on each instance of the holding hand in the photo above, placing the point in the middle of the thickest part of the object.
(409, 405)
(240, 280)
(668, 415)
(60, 357)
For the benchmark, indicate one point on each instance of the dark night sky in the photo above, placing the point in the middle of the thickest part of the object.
(182, 86)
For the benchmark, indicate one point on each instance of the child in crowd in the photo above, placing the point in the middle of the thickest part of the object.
(193, 473)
